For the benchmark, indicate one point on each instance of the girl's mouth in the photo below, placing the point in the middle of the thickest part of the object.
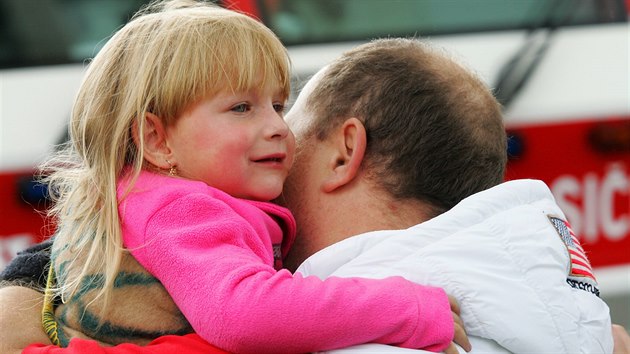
(270, 159)
(274, 158)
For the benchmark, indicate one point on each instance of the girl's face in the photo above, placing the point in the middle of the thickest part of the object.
(236, 142)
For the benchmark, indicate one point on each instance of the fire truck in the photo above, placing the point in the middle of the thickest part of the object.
(559, 67)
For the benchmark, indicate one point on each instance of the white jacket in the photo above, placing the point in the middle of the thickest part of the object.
(501, 254)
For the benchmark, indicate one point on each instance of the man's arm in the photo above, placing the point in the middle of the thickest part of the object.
(622, 340)
(21, 307)
(20, 319)
(21, 326)
(20, 304)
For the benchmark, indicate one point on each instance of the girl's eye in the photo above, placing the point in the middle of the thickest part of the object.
(241, 108)
(278, 107)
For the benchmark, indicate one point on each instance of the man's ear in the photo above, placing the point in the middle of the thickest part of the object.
(153, 136)
(349, 144)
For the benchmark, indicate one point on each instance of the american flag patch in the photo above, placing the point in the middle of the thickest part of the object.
(580, 266)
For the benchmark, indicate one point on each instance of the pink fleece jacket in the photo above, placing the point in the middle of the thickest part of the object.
(215, 256)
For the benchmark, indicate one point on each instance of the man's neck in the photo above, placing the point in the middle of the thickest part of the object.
(350, 213)
(377, 213)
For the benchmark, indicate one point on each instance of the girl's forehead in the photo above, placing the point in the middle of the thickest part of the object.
(255, 91)
(255, 85)
(275, 91)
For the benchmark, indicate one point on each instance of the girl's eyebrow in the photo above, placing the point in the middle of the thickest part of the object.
(280, 92)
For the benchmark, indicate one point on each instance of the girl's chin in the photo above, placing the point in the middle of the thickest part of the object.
(270, 195)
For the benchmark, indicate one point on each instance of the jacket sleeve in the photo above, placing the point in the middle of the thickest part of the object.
(220, 274)
(29, 267)
(190, 344)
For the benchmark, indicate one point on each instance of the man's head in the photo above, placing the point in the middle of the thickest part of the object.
(402, 121)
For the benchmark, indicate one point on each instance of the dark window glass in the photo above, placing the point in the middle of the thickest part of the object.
(45, 32)
(316, 21)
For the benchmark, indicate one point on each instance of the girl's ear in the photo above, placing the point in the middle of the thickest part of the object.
(153, 140)
(349, 144)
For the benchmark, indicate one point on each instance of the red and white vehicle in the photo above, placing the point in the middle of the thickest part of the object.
(561, 68)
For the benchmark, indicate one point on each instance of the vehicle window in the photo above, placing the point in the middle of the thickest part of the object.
(308, 21)
(44, 32)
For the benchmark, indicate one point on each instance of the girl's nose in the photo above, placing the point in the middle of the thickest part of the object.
(277, 128)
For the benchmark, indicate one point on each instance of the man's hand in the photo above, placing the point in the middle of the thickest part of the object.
(622, 340)
(460, 332)
(20, 319)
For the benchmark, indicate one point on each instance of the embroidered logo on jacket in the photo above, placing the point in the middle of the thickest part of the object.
(581, 273)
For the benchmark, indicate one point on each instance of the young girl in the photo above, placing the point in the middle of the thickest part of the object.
(177, 146)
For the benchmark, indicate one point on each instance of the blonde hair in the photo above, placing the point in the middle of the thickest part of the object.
(170, 55)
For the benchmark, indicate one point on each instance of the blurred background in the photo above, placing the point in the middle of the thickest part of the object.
(560, 68)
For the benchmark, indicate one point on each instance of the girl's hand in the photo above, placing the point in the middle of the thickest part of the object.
(461, 338)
